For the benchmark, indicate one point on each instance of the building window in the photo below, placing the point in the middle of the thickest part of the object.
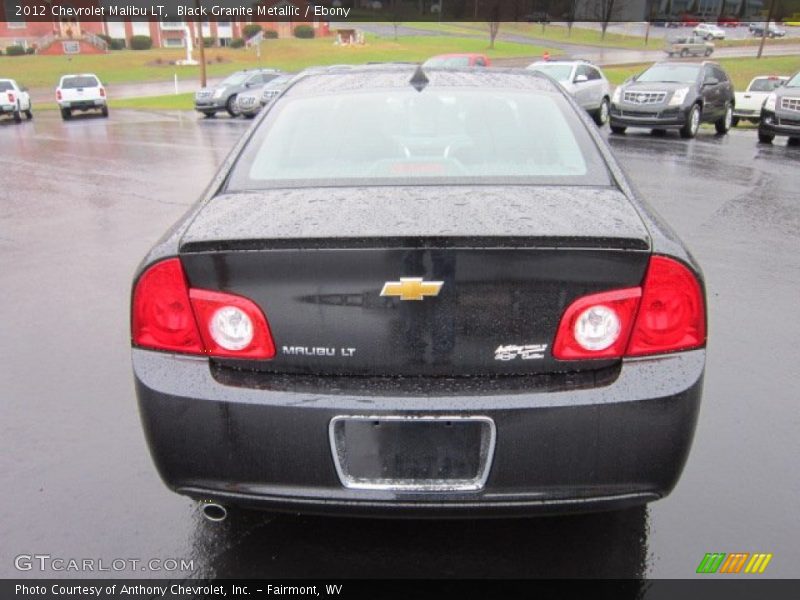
(14, 22)
(173, 42)
(172, 25)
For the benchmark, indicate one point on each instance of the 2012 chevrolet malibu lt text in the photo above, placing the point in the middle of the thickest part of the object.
(426, 292)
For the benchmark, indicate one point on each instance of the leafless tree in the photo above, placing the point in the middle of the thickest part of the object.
(494, 23)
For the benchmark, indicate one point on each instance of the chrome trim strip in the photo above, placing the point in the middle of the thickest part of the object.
(451, 485)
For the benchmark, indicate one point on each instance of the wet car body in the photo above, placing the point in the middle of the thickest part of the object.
(780, 114)
(675, 96)
(453, 401)
(223, 97)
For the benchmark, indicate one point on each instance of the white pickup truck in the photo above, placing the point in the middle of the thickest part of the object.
(14, 100)
(81, 92)
(748, 103)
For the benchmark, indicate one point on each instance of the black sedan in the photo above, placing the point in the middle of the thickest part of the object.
(420, 292)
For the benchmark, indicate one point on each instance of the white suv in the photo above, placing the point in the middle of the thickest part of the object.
(585, 81)
(81, 92)
(14, 100)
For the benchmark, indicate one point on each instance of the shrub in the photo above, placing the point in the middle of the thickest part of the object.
(117, 44)
(304, 31)
(141, 42)
(15, 50)
(237, 43)
(208, 42)
(251, 29)
(270, 34)
(105, 38)
(30, 50)
(1, 52)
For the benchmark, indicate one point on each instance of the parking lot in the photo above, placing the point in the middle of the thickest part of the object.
(81, 203)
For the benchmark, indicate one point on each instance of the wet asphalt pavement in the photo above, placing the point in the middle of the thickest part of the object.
(81, 202)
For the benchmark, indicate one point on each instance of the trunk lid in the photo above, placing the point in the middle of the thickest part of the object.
(508, 260)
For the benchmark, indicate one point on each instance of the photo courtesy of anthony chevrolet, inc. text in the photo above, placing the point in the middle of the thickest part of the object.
(366, 299)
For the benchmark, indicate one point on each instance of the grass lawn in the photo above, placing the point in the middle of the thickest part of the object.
(741, 70)
(288, 54)
(171, 102)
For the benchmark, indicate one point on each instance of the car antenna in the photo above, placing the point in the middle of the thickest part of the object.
(419, 80)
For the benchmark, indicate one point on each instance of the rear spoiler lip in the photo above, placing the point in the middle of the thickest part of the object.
(422, 242)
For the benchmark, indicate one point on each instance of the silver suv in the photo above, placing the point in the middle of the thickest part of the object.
(585, 81)
(211, 100)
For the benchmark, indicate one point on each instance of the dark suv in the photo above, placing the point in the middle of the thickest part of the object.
(675, 95)
(780, 114)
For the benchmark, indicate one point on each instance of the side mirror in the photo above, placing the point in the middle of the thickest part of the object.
(581, 78)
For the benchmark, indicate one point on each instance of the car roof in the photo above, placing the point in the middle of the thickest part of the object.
(383, 77)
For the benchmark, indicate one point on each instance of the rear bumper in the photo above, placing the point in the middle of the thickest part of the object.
(576, 450)
(82, 104)
(662, 118)
(780, 123)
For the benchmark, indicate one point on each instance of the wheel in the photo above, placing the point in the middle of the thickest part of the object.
(104, 111)
(670, 54)
(209, 114)
(709, 51)
(723, 124)
(689, 130)
(618, 129)
(66, 114)
(734, 121)
(17, 117)
(600, 116)
(250, 116)
(29, 114)
(765, 138)
(793, 141)
(684, 52)
(230, 106)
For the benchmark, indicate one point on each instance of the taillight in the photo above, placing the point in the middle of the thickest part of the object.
(597, 326)
(168, 315)
(232, 325)
(10, 97)
(102, 93)
(665, 315)
(672, 314)
(58, 94)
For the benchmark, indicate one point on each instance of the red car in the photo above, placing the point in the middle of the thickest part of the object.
(467, 59)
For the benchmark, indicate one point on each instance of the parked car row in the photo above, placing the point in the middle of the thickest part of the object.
(225, 95)
(82, 93)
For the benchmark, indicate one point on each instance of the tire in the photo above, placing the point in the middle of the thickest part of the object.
(17, 117)
(29, 114)
(708, 52)
(765, 138)
(230, 106)
(684, 53)
(735, 122)
(793, 141)
(104, 111)
(600, 116)
(66, 114)
(689, 130)
(209, 114)
(723, 124)
(618, 129)
(670, 54)
(249, 116)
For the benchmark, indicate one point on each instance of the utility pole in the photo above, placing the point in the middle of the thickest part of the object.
(766, 28)
(202, 45)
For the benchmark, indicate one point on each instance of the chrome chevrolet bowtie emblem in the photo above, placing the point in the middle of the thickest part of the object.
(411, 288)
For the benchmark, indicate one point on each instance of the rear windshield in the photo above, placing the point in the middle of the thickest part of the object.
(670, 74)
(409, 138)
(765, 84)
(557, 72)
(5, 86)
(236, 78)
(82, 81)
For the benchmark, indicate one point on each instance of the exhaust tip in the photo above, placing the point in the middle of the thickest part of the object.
(214, 512)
